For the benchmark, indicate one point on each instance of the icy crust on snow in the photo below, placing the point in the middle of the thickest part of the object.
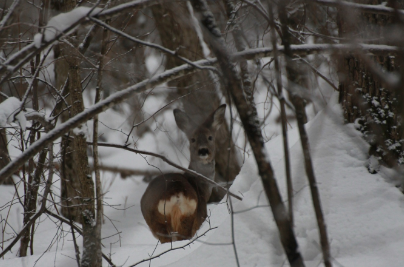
(8, 110)
(62, 22)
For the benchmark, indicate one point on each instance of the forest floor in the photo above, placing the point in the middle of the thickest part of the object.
(364, 212)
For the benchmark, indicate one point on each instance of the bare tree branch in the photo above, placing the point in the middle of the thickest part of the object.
(33, 218)
(172, 249)
(7, 16)
(156, 46)
(373, 9)
(77, 229)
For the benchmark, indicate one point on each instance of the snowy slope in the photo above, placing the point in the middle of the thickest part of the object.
(364, 213)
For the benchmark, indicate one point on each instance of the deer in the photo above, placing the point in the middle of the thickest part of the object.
(174, 205)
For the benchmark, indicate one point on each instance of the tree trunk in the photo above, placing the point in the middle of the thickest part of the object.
(4, 156)
(178, 33)
(77, 186)
(248, 118)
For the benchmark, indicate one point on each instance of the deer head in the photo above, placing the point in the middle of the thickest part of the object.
(201, 137)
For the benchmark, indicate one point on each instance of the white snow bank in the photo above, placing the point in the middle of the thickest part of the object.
(8, 110)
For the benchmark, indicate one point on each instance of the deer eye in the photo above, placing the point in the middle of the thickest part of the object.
(193, 140)
(210, 138)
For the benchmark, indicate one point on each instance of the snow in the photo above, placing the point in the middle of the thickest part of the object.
(38, 40)
(8, 109)
(61, 23)
(363, 211)
(81, 130)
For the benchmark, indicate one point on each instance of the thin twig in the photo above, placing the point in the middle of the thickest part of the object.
(76, 247)
(193, 173)
(319, 73)
(78, 230)
(172, 249)
(156, 46)
(282, 101)
(32, 219)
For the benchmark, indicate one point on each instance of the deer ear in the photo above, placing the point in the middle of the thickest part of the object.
(218, 117)
(183, 121)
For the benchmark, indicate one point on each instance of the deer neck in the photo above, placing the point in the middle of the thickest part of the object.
(206, 169)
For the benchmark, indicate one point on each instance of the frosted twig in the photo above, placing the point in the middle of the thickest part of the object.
(373, 9)
(139, 4)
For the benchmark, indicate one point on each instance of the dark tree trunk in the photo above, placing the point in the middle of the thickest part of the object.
(4, 156)
(77, 189)
(77, 186)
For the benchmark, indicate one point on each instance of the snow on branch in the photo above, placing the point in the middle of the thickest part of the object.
(63, 23)
(10, 111)
(374, 9)
(306, 49)
(108, 13)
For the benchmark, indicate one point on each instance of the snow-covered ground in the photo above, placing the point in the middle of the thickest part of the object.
(364, 212)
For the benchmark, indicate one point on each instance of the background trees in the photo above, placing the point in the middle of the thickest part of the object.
(64, 63)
